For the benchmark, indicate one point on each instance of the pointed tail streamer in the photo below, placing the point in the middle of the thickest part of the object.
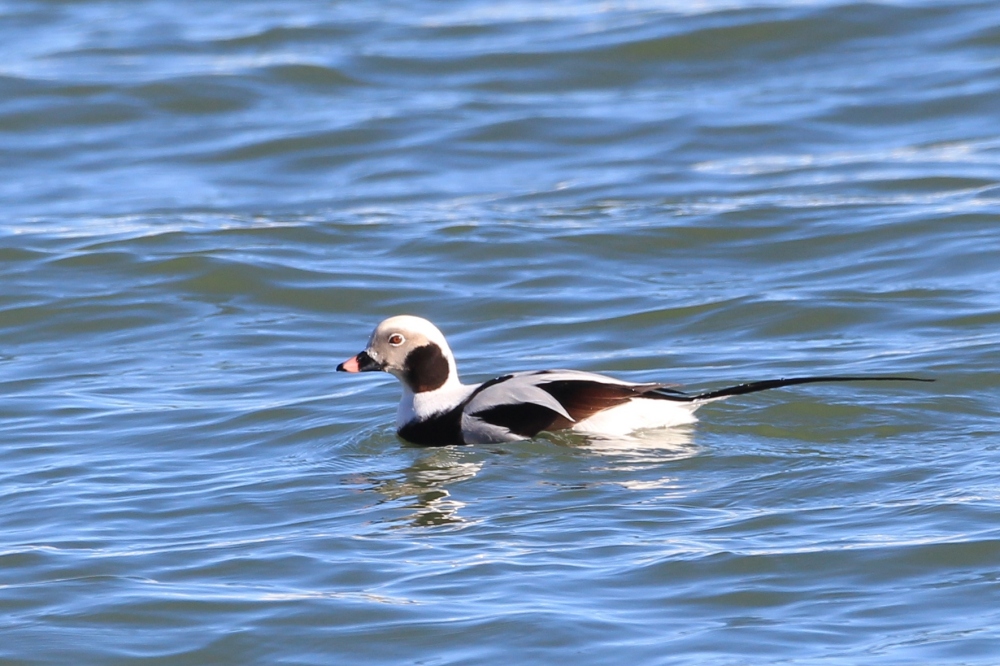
(767, 384)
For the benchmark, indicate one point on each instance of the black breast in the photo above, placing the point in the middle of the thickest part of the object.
(442, 429)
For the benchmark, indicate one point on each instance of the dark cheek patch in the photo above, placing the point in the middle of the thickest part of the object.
(426, 368)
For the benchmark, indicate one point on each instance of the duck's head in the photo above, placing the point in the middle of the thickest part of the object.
(412, 349)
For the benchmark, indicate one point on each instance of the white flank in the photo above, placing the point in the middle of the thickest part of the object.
(638, 414)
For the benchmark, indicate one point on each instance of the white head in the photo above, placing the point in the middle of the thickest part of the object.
(410, 348)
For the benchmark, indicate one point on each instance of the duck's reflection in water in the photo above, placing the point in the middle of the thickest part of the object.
(424, 483)
(636, 460)
(655, 445)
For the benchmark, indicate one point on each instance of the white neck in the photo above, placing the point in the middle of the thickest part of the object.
(422, 405)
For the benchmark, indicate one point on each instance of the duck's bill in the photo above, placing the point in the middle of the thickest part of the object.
(360, 363)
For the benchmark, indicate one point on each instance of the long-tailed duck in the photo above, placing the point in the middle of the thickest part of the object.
(437, 409)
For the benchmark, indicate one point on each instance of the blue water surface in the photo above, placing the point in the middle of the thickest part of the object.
(208, 205)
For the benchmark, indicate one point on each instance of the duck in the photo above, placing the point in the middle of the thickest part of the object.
(437, 409)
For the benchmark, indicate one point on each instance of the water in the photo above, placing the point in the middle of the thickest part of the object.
(207, 206)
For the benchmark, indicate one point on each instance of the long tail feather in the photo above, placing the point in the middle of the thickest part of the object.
(767, 384)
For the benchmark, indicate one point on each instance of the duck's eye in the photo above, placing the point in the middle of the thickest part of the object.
(396, 339)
